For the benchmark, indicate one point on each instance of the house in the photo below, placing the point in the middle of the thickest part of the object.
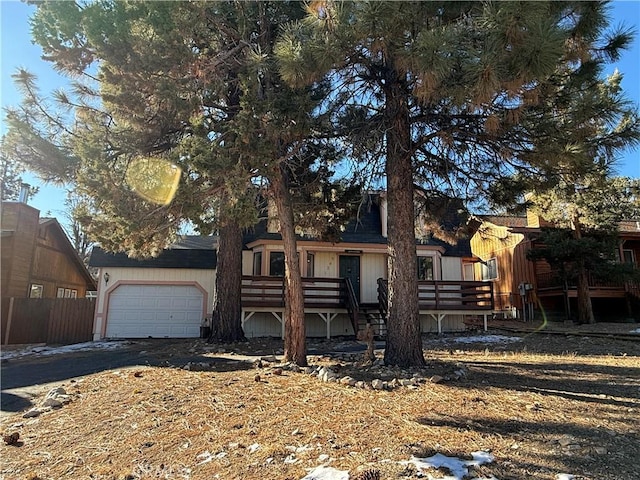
(343, 282)
(163, 297)
(38, 260)
(524, 288)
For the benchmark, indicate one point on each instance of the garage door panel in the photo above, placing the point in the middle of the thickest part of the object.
(141, 311)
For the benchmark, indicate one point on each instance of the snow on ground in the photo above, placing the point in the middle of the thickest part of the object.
(482, 339)
(637, 330)
(44, 350)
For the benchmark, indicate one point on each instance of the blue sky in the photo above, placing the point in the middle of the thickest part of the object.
(16, 50)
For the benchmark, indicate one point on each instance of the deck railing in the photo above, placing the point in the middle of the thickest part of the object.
(269, 292)
(319, 293)
(446, 295)
(553, 280)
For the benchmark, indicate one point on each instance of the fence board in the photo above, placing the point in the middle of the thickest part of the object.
(48, 320)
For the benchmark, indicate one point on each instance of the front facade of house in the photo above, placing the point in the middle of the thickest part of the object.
(526, 289)
(38, 260)
(360, 256)
(171, 296)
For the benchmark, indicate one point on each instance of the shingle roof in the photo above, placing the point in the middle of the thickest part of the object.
(365, 228)
(190, 251)
(506, 220)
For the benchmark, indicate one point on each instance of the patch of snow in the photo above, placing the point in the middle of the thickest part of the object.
(77, 347)
(326, 473)
(637, 330)
(565, 476)
(253, 448)
(486, 339)
(457, 467)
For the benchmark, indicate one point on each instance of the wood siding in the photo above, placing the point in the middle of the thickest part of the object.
(58, 321)
(510, 250)
(37, 253)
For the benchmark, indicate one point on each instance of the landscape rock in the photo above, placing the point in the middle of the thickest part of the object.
(377, 384)
(34, 412)
(436, 379)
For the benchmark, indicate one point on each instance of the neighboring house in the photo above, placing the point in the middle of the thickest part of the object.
(38, 260)
(149, 298)
(163, 297)
(526, 288)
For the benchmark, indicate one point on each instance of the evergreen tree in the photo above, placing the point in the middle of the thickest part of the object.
(439, 89)
(11, 181)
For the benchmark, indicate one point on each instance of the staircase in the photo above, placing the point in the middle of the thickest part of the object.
(375, 318)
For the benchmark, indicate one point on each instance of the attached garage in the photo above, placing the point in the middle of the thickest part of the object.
(163, 297)
(156, 311)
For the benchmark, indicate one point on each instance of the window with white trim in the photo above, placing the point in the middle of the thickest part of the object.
(425, 268)
(490, 269)
(276, 264)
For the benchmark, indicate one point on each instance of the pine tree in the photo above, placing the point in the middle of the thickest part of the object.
(439, 90)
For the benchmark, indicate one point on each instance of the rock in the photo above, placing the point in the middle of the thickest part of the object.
(600, 450)
(566, 440)
(436, 379)
(377, 384)
(34, 412)
(11, 439)
(269, 358)
(52, 402)
(360, 384)
(309, 370)
(277, 371)
(348, 381)
(257, 378)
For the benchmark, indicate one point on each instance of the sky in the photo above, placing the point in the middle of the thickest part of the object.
(16, 50)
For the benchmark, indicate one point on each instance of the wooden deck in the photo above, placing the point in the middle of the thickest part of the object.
(329, 297)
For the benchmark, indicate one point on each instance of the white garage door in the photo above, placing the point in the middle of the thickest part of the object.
(158, 311)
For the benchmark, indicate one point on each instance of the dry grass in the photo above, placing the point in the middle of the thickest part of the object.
(542, 407)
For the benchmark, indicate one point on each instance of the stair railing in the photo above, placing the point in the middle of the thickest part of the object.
(353, 307)
(383, 298)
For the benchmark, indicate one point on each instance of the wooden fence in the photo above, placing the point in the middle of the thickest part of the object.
(60, 321)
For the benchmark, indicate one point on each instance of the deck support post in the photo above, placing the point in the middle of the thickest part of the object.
(485, 322)
(438, 317)
(327, 318)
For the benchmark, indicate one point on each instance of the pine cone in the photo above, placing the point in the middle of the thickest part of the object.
(11, 439)
(368, 475)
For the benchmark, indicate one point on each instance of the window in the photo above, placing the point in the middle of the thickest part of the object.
(629, 256)
(490, 269)
(257, 263)
(36, 291)
(311, 260)
(425, 268)
(276, 264)
(60, 293)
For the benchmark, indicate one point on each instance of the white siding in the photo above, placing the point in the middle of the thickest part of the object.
(205, 279)
(247, 262)
(451, 268)
(372, 267)
(326, 264)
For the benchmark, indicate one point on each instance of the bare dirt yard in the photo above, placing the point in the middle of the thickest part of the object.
(526, 405)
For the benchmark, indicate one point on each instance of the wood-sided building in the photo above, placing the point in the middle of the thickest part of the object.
(522, 286)
(38, 260)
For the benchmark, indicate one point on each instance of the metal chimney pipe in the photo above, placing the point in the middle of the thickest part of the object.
(23, 197)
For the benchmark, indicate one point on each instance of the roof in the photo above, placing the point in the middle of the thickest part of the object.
(71, 252)
(190, 251)
(365, 228)
(519, 221)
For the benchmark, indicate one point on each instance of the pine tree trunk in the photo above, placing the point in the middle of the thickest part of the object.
(585, 308)
(404, 344)
(295, 348)
(226, 322)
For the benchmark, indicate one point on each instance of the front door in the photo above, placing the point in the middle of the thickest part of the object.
(350, 268)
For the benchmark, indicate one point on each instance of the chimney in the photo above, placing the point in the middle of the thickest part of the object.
(23, 197)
